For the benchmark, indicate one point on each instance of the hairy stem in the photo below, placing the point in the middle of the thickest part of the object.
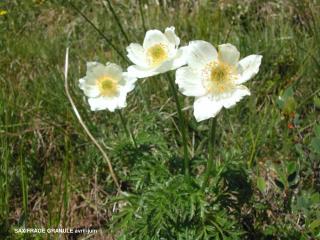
(142, 16)
(118, 21)
(182, 125)
(127, 130)
(212, 134)
(108, 40)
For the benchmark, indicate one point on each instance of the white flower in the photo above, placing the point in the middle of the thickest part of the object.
(159, 54)
(106, 86)
(215, 78)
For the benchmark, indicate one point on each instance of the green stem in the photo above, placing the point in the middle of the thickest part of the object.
(211, 139)
(118, 21)
(4, 200)
(65, 179)
(108, 40)
(142, 16)
(146, 102)
(126, 129)
(182, 125)
(24, 188)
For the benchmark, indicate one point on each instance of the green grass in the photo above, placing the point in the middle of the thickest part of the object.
(52, 175)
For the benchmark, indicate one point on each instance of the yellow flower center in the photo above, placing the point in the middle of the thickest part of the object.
(157, 54)
(108, 86)
(3, 12)
(220, 73)
(219, 77)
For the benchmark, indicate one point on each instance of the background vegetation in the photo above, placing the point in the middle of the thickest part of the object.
(267, 148)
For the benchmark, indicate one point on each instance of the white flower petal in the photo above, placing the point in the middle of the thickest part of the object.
(114, 71)
(173, 63)
(82, 83)
(102, 103)
(189, 82)
(171, 36)
(89, 90)
(228, 53)
(230, 99)
(206, 107)
(200, 53)
(122, 99)
(129, 82)
(110, 103)
(165, 66)
(141, 72)
(154, 37)
(179, 59)
(95, 70)
(137, 54)
(91, 65)
(99, 103)
(248, 68)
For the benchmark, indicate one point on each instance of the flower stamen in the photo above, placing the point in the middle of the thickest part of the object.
(108, 86)
(219, 77)
(157, 54)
